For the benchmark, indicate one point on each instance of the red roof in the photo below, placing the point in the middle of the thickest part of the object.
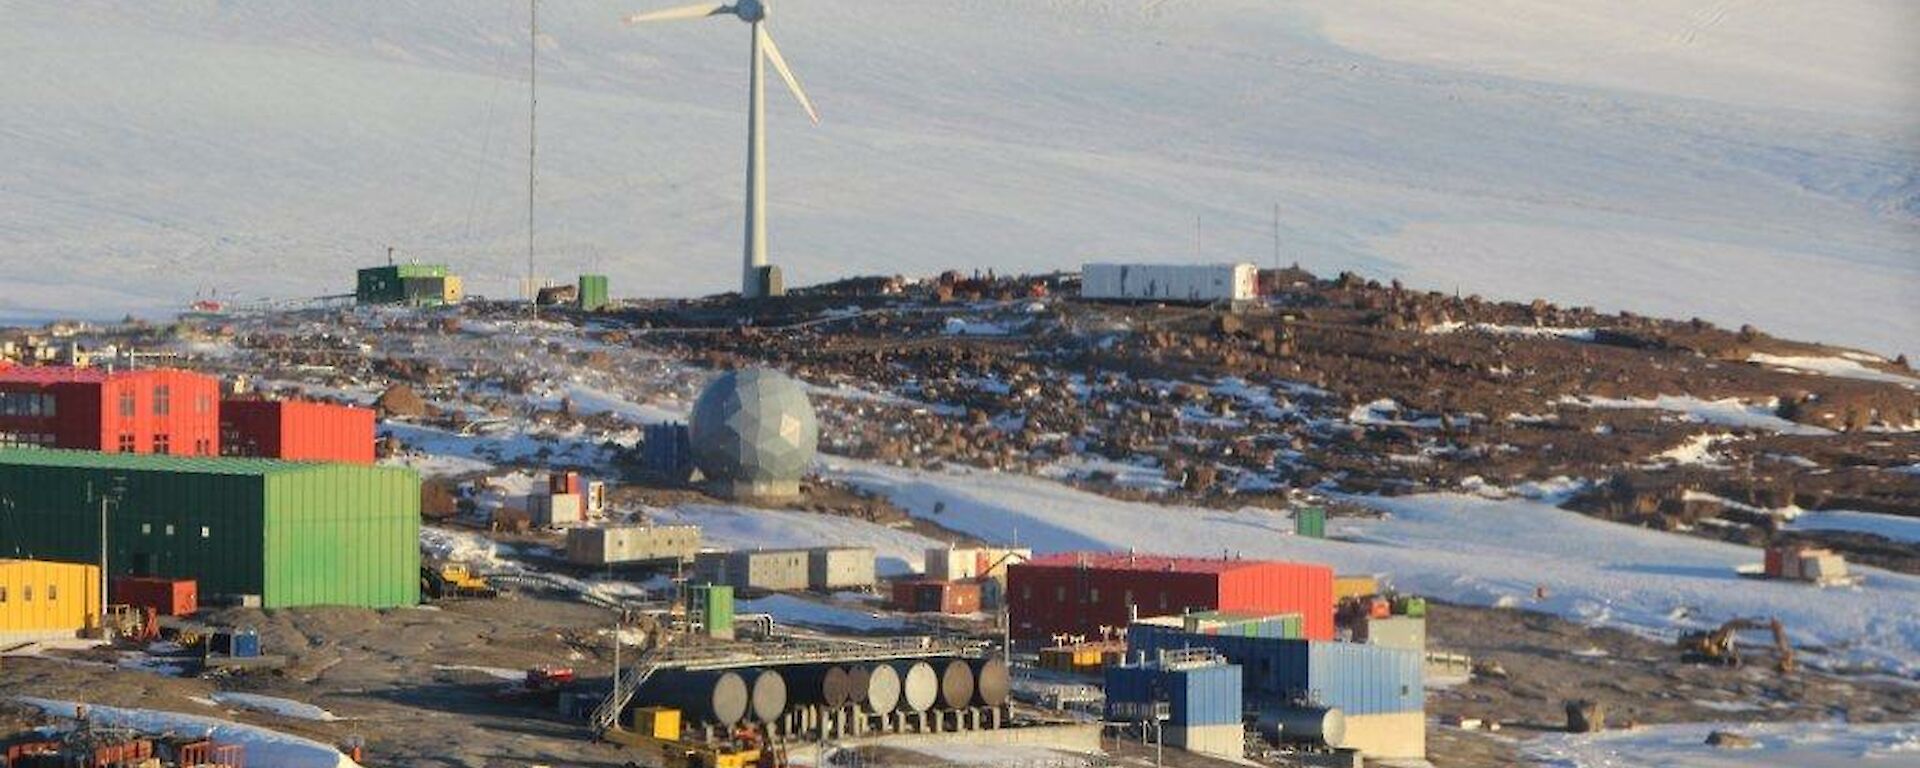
(51, 374)
(1125, 561)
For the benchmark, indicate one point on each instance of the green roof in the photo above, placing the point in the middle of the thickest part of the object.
(137, 462)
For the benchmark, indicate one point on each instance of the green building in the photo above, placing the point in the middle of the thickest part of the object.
(417, 284)
(592, 295)
(288, 533)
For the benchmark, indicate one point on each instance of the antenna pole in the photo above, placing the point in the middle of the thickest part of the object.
(533, 112)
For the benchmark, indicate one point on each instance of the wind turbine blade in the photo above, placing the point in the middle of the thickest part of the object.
(695, 11)
(793, 83)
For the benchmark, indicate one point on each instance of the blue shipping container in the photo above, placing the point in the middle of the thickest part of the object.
(1206, 695)
(1359, 679)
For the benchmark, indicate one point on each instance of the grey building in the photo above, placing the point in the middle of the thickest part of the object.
(1393, 632)
(840, 568)
(756, 570)
(616, 544)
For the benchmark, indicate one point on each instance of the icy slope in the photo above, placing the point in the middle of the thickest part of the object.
(1452, 546)
(153, 149)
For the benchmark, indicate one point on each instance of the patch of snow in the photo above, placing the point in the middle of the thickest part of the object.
(460, 546)
(264, 746)
(1842, 367)
(502, 673)
(1778, 745)
(1527, 331)
(1143, 474)
(1728, 412)
(1696, 449)
(593, 400)
(1899, 528)
(275, 706)
(956, 326)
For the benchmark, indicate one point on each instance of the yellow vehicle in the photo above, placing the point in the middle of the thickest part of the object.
(446, 580)
(1717, 646)
(657, 730)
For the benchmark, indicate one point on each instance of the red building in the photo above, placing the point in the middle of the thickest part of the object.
(296, 430)
(157, 410)
(1077, 593)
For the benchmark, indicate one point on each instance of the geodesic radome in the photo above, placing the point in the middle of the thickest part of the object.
(754, 432)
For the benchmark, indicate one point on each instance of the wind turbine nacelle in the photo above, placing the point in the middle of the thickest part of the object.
(750, 10)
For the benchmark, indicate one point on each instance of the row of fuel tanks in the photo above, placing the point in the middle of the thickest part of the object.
(763, 694)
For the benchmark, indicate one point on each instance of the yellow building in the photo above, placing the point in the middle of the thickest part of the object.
(42, 600)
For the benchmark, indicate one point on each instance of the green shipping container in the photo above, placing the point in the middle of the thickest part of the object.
(291, 533)
(388, 284)
(1310, 522)
(592, 295)
(713, 603)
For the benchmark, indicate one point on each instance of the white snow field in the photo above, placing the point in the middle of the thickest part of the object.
(264, 747)
(1455, 547)
(1779, 745)
(1738, 162)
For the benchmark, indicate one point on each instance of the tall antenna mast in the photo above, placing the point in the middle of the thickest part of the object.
(1276, 235)
(533, 113)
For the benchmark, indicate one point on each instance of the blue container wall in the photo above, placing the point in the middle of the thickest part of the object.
(1131, 685)
(1202, 696)
(1360, 679)
(1205, 696)
(1367, 679)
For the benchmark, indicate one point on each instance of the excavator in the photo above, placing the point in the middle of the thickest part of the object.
(449, 580)
(1717, 646)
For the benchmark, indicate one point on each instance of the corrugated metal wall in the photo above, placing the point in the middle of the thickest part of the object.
(342, 535)
(1197, 696)
(44, 598)
(1366, 679)
(1283, 588)
(203, 527)
(1360, 679)
(1048, 599)
(294, 534)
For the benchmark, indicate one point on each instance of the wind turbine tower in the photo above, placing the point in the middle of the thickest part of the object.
(757, 278)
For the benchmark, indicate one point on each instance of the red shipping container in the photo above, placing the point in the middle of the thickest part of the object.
(167, 597)
(156, 410)
(1774, 561)
(955, 598)
(297, 430)
(1078, 593)
(928, 596)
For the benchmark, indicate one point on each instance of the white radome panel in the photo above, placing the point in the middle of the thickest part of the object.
(754, 433)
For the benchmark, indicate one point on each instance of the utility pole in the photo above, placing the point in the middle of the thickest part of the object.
(533, 112)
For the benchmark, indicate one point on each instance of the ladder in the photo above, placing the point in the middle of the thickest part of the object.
(625, 686)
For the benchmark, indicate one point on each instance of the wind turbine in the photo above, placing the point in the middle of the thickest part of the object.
(754, 12)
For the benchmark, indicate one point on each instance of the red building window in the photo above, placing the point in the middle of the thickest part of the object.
(162, 444)
(162, 400)
(126, 404)
(126, 444)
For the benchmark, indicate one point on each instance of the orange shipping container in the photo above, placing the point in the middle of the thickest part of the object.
(167, 597)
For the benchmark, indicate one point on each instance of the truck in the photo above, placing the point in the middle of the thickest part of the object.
(1170, 283)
